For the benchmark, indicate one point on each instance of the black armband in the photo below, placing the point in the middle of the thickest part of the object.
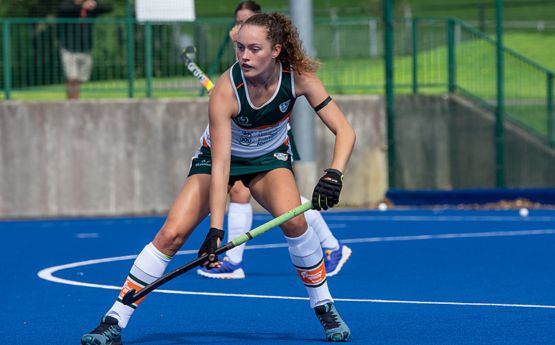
(323, 104)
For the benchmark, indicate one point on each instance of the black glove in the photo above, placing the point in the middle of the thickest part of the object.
(210, 245)
(326, 193)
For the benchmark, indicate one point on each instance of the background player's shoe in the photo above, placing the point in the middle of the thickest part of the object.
(107, 333)
(228, 270)
(336, 329)
(335, 259)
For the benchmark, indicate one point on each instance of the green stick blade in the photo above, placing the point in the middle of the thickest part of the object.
(272, 224)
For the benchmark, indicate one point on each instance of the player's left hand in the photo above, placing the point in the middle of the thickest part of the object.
(209, 246)
(326, 193)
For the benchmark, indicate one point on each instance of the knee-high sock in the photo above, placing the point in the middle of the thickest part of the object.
(306, 255)
(148, 266)
(239, 220)
(317, 222)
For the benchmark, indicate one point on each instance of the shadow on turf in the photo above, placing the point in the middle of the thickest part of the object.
(217, 337)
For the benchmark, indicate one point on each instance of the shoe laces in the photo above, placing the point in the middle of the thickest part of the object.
(107, 327)
(327, 317)
(328, 253)
(332, 257)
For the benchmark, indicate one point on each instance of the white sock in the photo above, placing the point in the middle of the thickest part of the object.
(149, 265)
(239, 221)
(317, 222)
(306, 254)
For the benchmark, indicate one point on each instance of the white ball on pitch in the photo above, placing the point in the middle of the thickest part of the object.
(523, 212)
(382, 206)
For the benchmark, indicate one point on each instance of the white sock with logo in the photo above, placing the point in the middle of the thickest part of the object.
(149, 265)
(239, 221)
(317, 222)
(306, 254)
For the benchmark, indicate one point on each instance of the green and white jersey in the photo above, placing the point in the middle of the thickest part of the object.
(257, 131)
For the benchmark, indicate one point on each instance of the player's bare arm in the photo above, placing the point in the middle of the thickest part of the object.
(222, 107)
(310, 86)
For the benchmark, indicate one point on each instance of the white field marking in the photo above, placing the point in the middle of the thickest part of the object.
(87, 235)
(451, 236)
(431, 218)
(426, 237)
(443, 218)
(48, 273)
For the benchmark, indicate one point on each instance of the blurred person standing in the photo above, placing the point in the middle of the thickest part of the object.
(76, 41)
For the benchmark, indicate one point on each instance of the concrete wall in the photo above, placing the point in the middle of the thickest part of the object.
(445, 142)
(131, 156)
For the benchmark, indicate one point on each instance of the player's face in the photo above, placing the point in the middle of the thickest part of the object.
(243, 15)
(255, 53)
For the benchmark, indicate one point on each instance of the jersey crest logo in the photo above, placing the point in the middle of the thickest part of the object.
(284, 106)
(281, 156)
(243, 120)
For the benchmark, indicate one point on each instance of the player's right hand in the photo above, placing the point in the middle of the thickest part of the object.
(209, 246)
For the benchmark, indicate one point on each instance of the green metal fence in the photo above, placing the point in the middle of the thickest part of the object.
(528, 87)
(132, 59)
(129, 59)
(448, 55)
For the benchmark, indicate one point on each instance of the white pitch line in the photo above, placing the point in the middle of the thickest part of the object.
(87, 235)
(360, 300)
(425, 237)
(452, 236)
(433, 218)
(48, 273)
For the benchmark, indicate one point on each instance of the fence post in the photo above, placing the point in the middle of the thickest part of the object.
(389, 90)
(550, 120)
(6, 58)
(148, 59)
(414, 57)
(130, 51)
(451, 60)
(500, 109)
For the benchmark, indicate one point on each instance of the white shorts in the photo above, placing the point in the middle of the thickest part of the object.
(77, 65)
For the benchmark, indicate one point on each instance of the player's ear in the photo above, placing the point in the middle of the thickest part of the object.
(276, 50)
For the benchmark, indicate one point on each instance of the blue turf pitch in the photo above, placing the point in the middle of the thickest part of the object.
(415, 277)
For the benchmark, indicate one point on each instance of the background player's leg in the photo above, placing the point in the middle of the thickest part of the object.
(336, 253)
(239, 221)
(239, 218)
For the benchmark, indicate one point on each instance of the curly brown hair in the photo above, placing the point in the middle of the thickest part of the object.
(282, 31)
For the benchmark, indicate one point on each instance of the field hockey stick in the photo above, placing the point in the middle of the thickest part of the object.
(187, 55)
(131, 296)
